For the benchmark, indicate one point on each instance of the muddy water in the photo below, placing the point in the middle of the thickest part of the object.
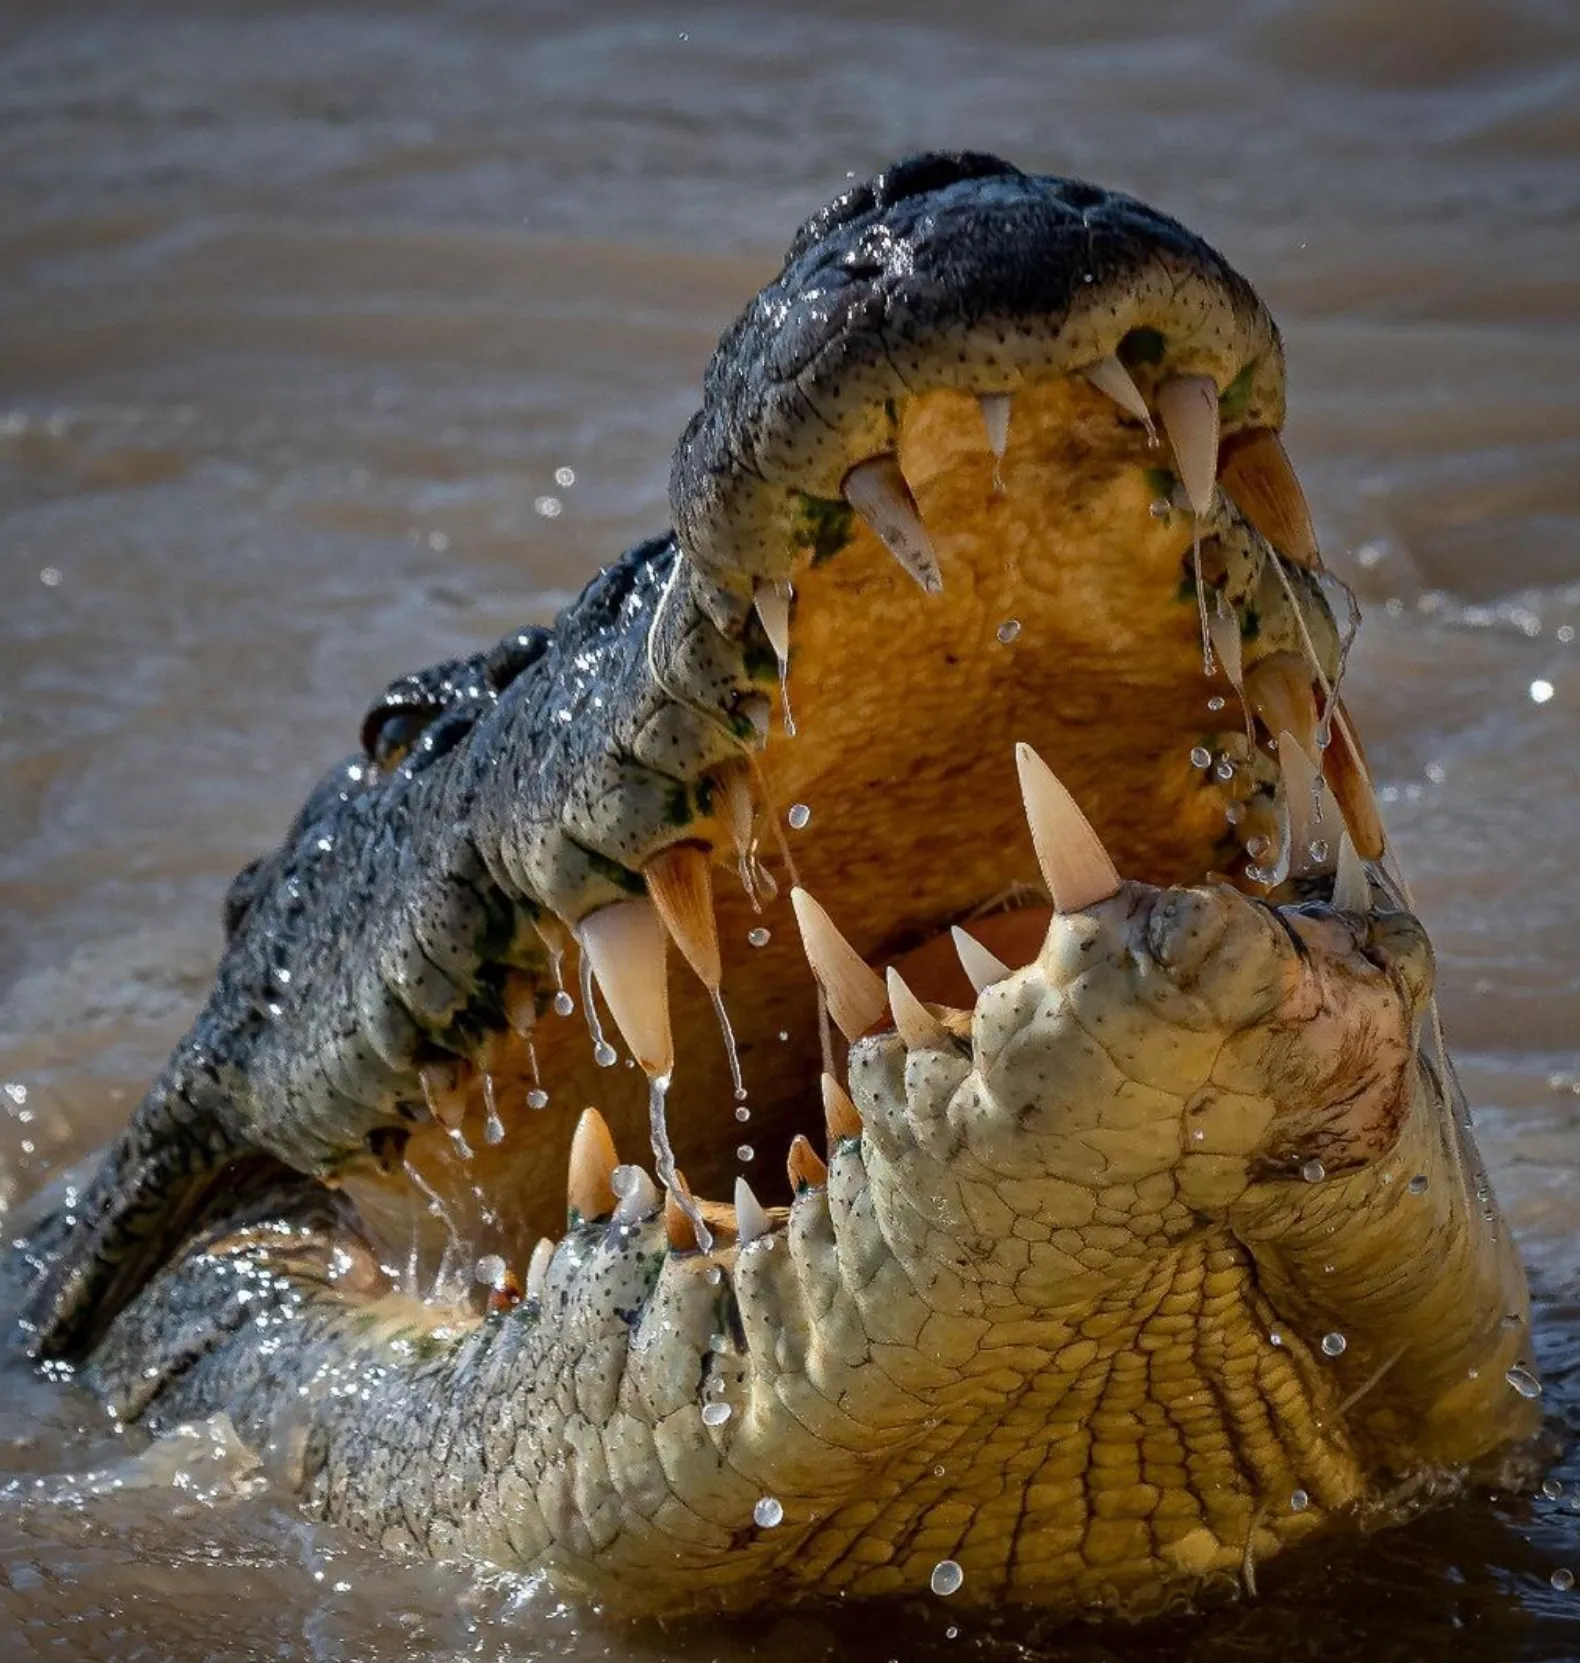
(337, 339)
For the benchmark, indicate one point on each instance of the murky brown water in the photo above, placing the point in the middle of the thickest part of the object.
(336, 339)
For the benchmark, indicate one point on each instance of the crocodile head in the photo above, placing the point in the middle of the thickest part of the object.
(1128, 1235)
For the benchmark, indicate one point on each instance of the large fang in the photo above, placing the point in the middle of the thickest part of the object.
(982, 968)
(917, 1025)
(840, 1116)
(1352, 890)
(876, 489)
(1345, 769)
(680, 882)
(625, 944)
(1257, 474)
(1188, 406)
(589, 1187)
(1109, 376)
(995, 409)
(751, 1221)
(853, 989)
(805, 1166)
(538, 1267)
(773, 609)
(1279, 688)
(1075, 865)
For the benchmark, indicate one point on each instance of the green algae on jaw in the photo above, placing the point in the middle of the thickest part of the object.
(822, 525)
(1235, 399)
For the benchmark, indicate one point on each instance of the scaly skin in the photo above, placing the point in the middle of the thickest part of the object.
(1056, 1311)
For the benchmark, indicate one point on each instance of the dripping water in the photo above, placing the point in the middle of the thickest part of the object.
(731, 1050)
(664, 1158)
(493, 1126)
(1209, 665)
(603, 1052)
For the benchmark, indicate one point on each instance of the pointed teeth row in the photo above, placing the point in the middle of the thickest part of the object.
(806, 1167)
(982, 968)
(751, 1218)
(680, 883)
(854, 991)
(1188, 408)
(1075, 865)
(637, 1194)
(1352, 890)
(1281, 695)
(1259, 476)
(589, 1187)
(1308, 804)
(995, 408)
(877, 490)
(840, 1116)
(772, 601)
(916, 1025)
(1111, 377)
(626, 946)
(538, 1267)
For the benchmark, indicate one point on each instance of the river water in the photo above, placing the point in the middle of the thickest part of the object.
(337, 338)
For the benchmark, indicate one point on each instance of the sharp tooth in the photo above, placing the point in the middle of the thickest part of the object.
(853, 989)
(1109, 376)
(679, 1230)
(840, 1115)
(1257, 474)
(1075, 865)
(1223, 629)
(805, 1166)
(982, 968)
(876, 489)
(1281, 695)
(917, 1026)
(758, 709)
(637, 1192)
(538, 1267)
(625, 944)
(589, 1191)
(750, 1219)
(773, 609)
(1345, 768)
(521, 1004)
(739, 812)
(995, 408)
(441, 1091)
(1188, 406)
(1352, 890)
(680, 882)
(1311, 821)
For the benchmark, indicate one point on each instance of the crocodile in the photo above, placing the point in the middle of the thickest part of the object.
(960, 796)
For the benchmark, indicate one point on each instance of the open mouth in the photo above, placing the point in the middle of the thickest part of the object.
(941, 503)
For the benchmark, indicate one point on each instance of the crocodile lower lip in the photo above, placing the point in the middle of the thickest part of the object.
(973, 747)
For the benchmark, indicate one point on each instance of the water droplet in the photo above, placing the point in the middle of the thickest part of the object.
(1317, 848)
(1541, 691)
(1299, 1501)
(563, 1003)
(1216, 702)
(1313, 1172)
(1523, 1381)
(604, 1054)
(1225, 769)
(1333, 1344)
(715, 1276)
(768, 1512)
(951, 1633)
(1200, 757)
(745, 1152)
(760, 936)
(715, 1414)
(798, 816)
(564, 476)
(1275, 1337)
(1563, 1579)
(946, 1578)
(938, 1472)
(1008, 630)
(1419, 1184)
(491, 1271)
(1552, 1489)
(742, 1113)
(1234, 813)
(537, 1098)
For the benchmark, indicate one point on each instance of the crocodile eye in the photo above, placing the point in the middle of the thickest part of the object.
(391, 730)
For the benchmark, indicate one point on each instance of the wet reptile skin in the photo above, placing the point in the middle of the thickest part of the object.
(1057, 1314)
